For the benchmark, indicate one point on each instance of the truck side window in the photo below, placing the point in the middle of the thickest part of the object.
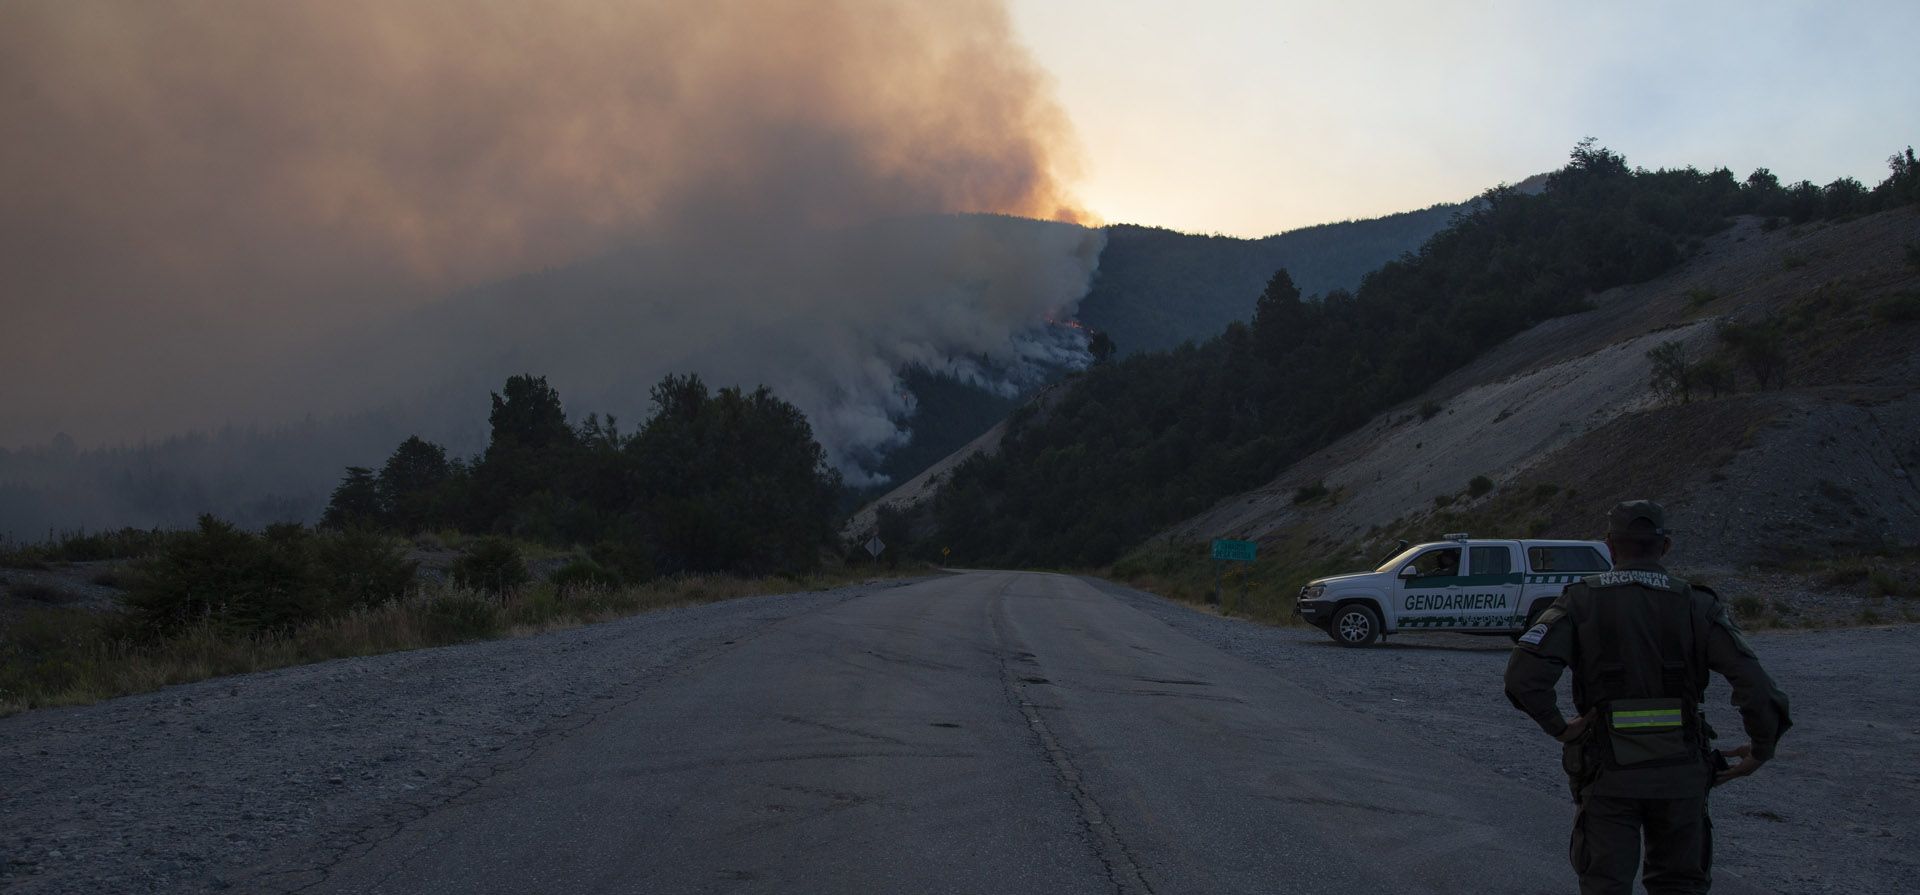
(1492, 561)
(1566, 559)
(1437, 563)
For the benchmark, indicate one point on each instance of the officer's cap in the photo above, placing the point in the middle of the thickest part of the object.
(1637, 518)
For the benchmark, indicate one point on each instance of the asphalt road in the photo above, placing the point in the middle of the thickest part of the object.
(984, 732)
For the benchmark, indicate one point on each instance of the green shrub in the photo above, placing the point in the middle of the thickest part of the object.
(273, 581)
(452, 618)
(1913, 255)
(583, 574)
(1749, 607)
(1429, 410)
(1306, 493)
(1793, 262)
(1884, 583)
(1442, 501)
(631, 558)
(360, 568)
(39, 593)
(114, 578)
(1479, 485)
(82, 546)
(492, 565)
(1545, 491)
(1903, 308)
(1700, 298)
(1845, 572)
(229, 578)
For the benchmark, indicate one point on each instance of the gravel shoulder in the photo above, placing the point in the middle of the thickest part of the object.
(1837, 811)
(254, 782)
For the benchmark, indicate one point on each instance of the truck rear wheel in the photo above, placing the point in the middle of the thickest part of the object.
(1355, 624)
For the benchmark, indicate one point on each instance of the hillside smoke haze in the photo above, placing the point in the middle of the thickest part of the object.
(244, 212)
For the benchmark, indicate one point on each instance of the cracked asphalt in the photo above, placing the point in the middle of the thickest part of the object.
(980, 732)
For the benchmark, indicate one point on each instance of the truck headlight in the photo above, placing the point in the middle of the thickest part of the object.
(1312, 591)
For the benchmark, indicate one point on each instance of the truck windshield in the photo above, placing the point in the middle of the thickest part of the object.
(1401, 557)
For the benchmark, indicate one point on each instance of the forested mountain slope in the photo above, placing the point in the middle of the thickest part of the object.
(1146, 441)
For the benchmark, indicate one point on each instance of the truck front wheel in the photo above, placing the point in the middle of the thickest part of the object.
(1355, 624)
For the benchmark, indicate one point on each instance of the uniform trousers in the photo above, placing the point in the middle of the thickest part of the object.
(1607, 832)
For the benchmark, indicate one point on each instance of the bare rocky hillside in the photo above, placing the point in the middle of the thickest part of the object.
(1563, 420)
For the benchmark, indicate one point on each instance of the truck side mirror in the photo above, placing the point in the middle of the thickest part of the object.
(1408, 571)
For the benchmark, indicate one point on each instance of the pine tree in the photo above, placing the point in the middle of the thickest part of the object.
(355, 503)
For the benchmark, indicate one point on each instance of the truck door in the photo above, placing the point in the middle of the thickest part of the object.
(1492, 587)
(1427, 589)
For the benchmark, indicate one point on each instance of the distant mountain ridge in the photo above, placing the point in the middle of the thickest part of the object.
(1157, 288)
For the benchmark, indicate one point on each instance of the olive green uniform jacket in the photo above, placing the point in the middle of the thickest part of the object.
(1629, 634)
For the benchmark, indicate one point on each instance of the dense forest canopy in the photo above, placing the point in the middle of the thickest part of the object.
(1153, 438)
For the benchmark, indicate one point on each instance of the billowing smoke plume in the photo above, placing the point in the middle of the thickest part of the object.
(239, 211)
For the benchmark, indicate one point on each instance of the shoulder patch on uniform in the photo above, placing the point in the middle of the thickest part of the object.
(1656, 580)
(1544, 623)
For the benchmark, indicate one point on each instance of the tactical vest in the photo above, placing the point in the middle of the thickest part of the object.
(1647, 730)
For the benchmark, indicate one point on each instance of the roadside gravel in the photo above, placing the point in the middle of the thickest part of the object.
(257, 782)
(1837, 811)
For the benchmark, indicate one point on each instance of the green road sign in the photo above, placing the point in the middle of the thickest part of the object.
(1235, 551)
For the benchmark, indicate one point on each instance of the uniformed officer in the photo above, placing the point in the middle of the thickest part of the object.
(1638, 757)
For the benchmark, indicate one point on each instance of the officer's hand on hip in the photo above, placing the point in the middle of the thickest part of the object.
(1576, 728)
(1747, 765)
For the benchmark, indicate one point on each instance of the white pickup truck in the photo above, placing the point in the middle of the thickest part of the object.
(1463, 584)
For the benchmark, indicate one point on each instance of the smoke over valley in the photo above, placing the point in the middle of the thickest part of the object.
(255, 214)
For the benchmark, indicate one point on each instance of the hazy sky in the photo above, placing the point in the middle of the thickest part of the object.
(234, 211)
(201, 195)
(1254, 116)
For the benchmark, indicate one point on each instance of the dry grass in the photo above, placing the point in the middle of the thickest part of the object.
(1262, 591)
(54, 657)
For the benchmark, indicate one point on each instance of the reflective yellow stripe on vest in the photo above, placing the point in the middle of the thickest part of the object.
(1652, 718)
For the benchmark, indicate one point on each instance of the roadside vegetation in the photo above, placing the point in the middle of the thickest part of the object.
(1262, 591)
(1153, 438)
(219, 600)
(718, 495)
(53, 657)
(80, 546)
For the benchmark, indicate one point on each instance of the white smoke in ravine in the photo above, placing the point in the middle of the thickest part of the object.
(828, 319)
